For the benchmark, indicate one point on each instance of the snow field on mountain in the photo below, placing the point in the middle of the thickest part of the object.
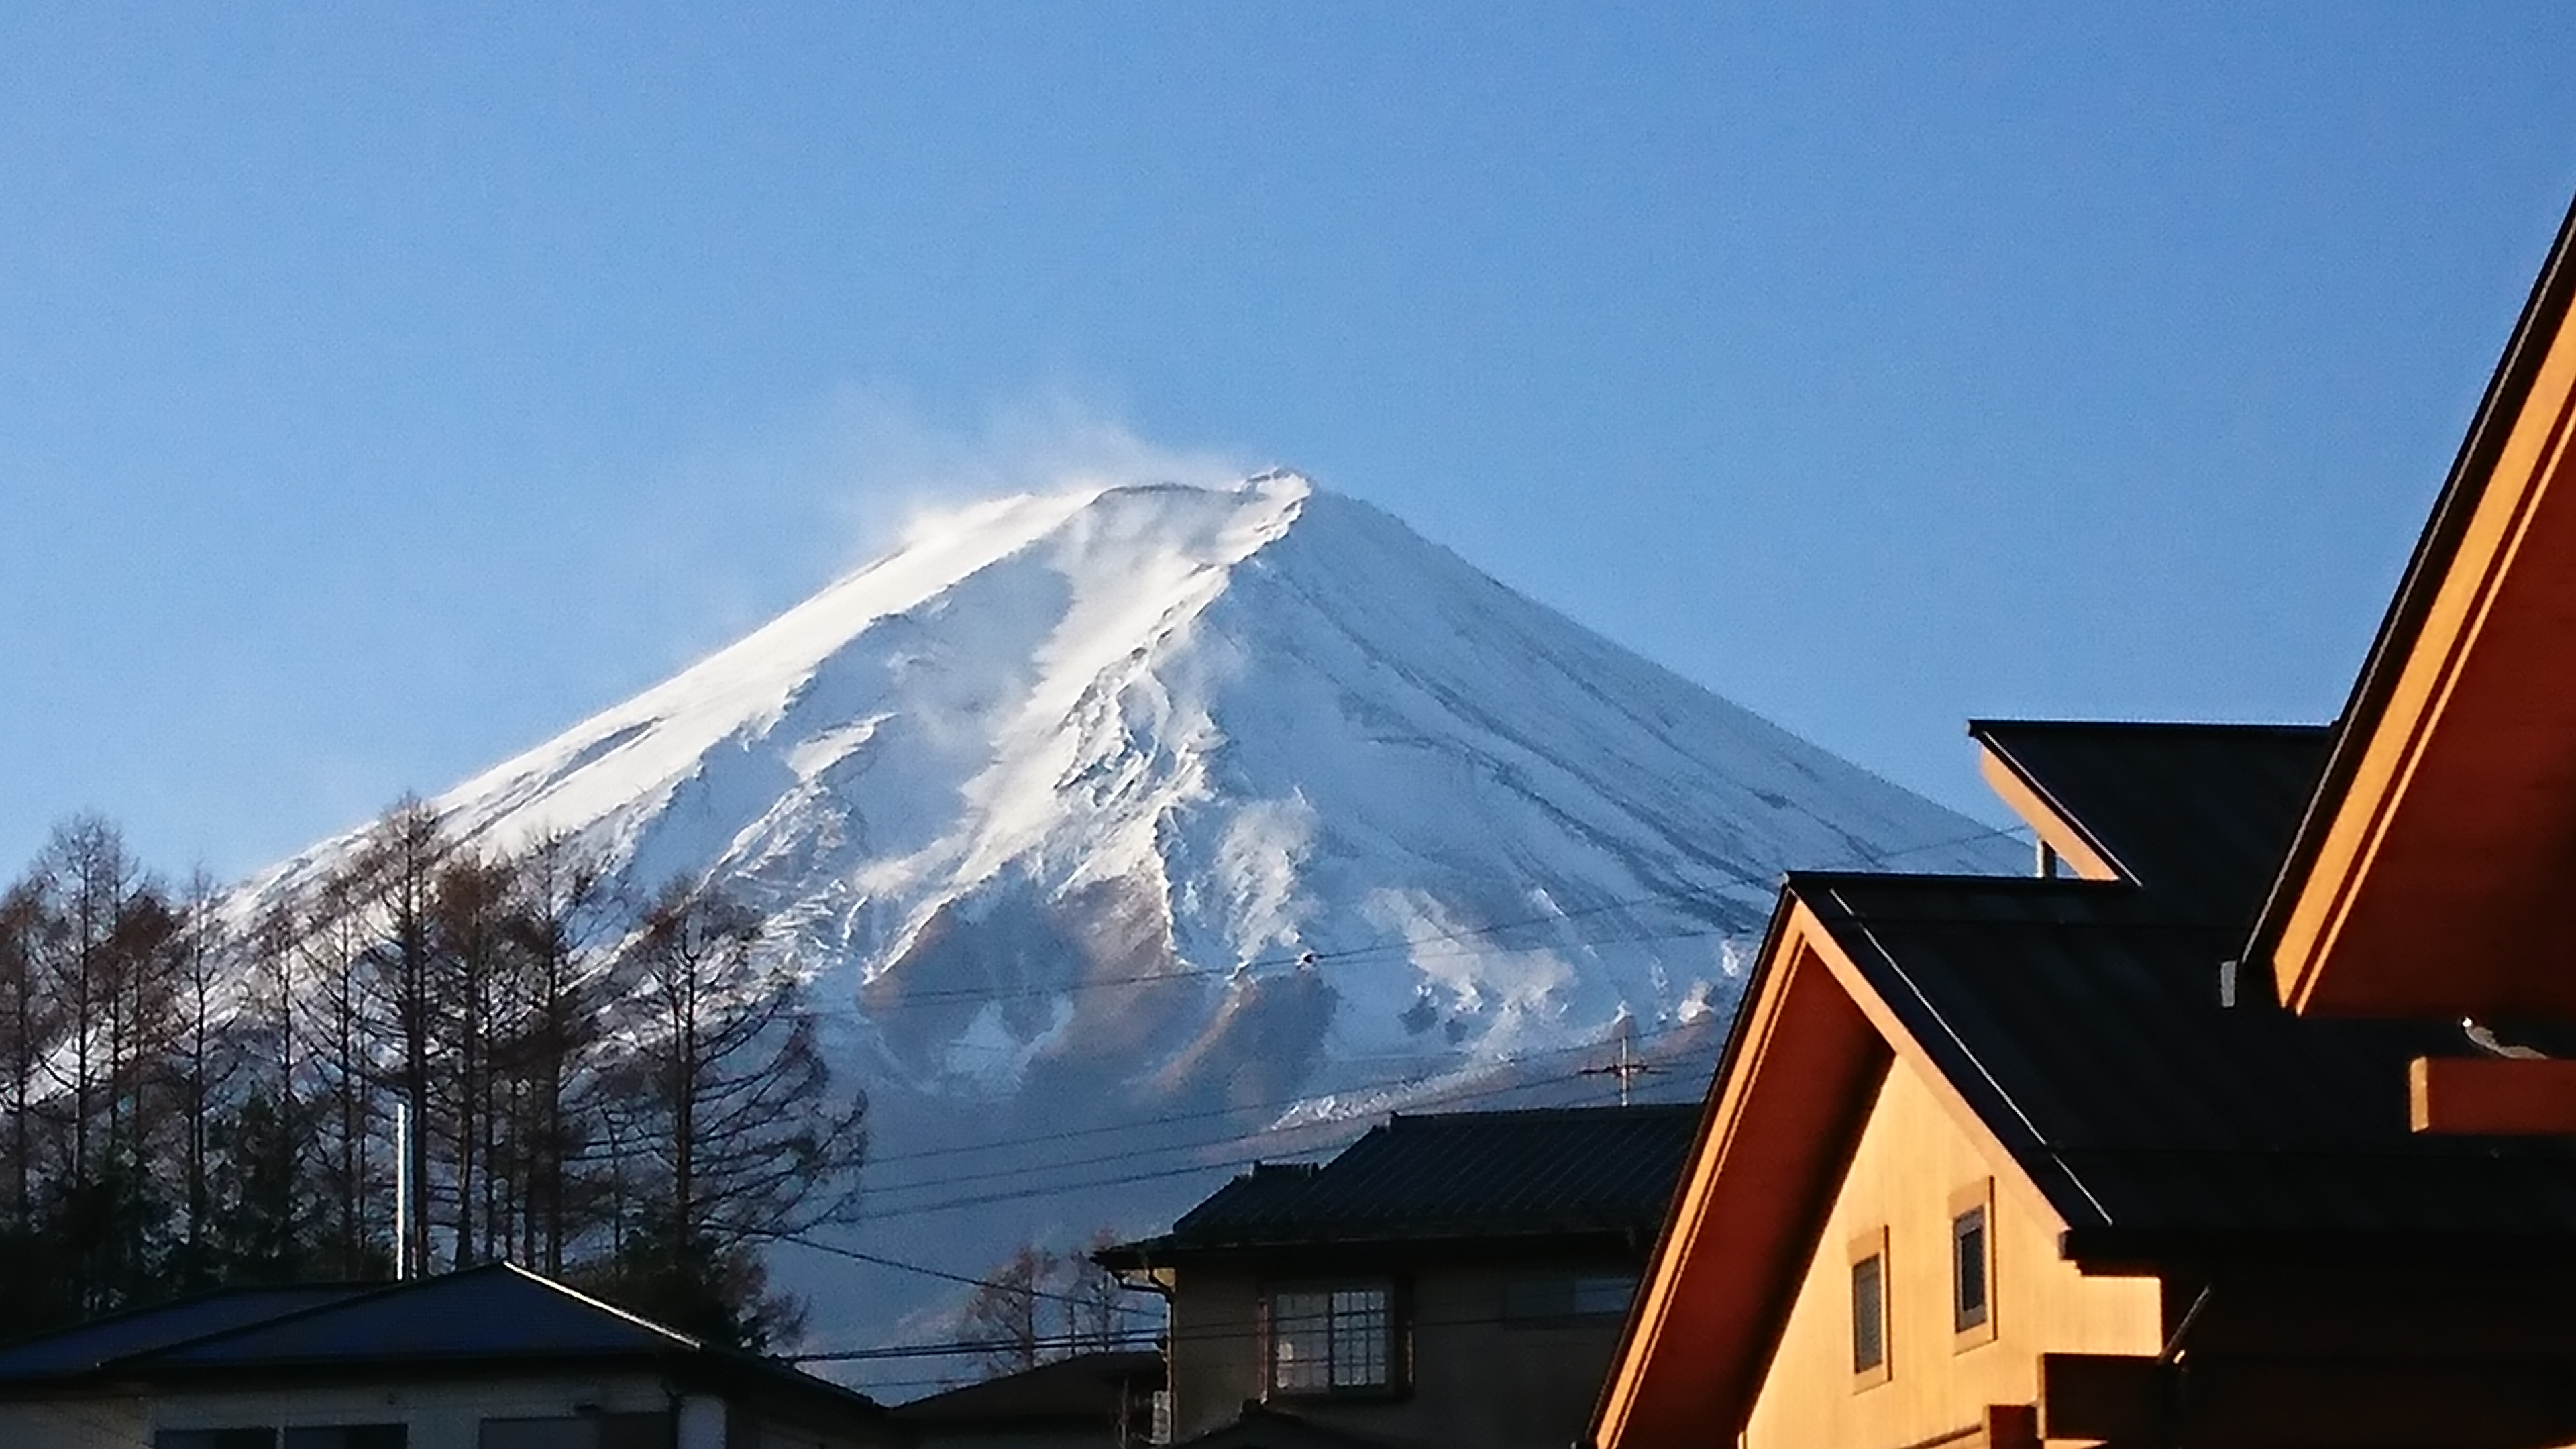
(1089, 807)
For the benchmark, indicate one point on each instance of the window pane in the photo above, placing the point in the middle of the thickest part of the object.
(1968, 1267)
(1869, 1313)
(1359, 1338)
(347, 1436)
(260, 1438)
(1325, 1340)
(1301, 1344)
(1603, 1294)
(635, 1431)
(566, 1433)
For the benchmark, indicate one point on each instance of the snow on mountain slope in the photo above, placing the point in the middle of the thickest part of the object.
(1164, 728)
(1138, 799)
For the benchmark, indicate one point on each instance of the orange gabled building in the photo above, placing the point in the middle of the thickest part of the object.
(2434, 874)
(1992, 1161)
(2080, 1160)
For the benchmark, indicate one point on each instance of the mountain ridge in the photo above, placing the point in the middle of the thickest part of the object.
(1092, 807)
(1211, 698)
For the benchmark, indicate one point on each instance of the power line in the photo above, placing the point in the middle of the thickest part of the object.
(1382, 1084)
(882, 1261)
(1250, 965)
(1441, 1096)
(1728, 876)
(1172, 1335)
(1306, 958)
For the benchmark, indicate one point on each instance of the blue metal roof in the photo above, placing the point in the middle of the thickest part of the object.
(142, 1330)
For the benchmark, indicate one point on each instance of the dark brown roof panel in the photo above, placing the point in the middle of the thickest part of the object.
(1097, 1389)
(2199, 813)
(1458, 1175)
(2086, 1030)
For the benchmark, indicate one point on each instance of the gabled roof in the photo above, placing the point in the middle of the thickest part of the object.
(498, 1311)
(141, 1330)
(2429, 873)
(2086, 1031)
(495, 1319)
(1094, 1389)
(1450, 1177)
(2079, 1032)
(2201, 813)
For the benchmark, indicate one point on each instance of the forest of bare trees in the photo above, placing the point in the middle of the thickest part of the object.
(627, 1094)
(1038, 1305)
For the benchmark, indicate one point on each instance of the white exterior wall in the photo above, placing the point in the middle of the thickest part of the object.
(80, 1424)
(440, 1415)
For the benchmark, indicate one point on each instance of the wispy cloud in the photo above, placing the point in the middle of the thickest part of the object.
(882, 468)
(724, 539)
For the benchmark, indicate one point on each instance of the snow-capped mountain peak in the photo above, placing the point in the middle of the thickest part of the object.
(1094, 810)
(1205, 733)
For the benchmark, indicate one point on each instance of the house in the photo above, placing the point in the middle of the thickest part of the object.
(1099, 1400)
(1451, 1279)
(1998, 1160)
(2429, 879)
(2191, 1146)
(486, 1358)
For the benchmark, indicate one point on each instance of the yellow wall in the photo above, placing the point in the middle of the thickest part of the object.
(1912, 1160)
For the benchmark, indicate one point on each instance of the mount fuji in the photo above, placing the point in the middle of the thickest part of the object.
(1123, 833)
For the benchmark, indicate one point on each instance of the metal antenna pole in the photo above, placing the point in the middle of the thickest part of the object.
(1626, 1070)
(402, 1187)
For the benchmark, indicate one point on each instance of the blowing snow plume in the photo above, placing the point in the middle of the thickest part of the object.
(1236, 807)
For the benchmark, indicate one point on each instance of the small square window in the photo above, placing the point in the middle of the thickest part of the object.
(1869, 1314)
(1968, 1269)
(1557, 1298)
(1870, 1356)
(1972, 1264)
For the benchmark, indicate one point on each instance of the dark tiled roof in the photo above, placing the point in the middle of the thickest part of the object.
(1259, 1426)
(1089, 1388)
(141, 1330)
(2199, 813)
(2083, 1024)
(1448, 1176)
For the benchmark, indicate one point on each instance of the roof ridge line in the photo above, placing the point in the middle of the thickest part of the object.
(388, 1290)
(604, 1305)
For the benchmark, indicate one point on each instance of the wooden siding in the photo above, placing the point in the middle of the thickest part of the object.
(2429, 878)
(1913, 1160)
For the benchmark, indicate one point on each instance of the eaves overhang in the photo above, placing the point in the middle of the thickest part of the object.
(2428, 874)
(1811, 1047)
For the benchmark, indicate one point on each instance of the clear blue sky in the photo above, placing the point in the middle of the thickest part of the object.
(382, 390)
